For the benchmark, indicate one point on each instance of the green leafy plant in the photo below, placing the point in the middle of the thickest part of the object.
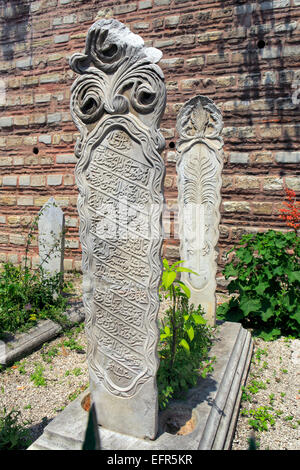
(271, 398)
(252, 389)
(77, 371)
(260, 418)
(255, 386)
(50, 354)
(28, 295)
(13, 435)
(259, 353)
(72, 396)
(71, 341)
(185, 339)
(37, 376)
(21, 368)
(266, 278)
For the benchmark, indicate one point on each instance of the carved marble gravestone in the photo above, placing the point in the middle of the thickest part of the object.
(199, 167)
(117, 103)
(51, 225)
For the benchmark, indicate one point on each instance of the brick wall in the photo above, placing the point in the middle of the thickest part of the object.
(244, 55)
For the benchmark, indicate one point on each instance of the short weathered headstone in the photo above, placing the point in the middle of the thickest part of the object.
(117, 104)
(51, 225)
(199, 167)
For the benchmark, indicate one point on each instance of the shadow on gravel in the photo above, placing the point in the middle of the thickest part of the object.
(37, 429)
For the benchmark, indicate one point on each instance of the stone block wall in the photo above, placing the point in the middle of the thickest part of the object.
(244, 55)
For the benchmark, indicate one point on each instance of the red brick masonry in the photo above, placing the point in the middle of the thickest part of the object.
(243, 55)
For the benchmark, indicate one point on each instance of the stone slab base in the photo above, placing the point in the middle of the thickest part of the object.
(211, 408)
(24, 343)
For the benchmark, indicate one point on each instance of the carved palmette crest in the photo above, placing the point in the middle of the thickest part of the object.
(199, 166)
(119, 76)
(117, 103)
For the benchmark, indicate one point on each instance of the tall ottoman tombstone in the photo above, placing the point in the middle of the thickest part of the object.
(117, 103)
(199, 167)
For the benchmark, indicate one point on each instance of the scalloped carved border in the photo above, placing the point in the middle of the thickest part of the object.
(199, 168)
(119, 87)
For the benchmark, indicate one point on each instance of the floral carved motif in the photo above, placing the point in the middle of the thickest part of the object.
(199, 166)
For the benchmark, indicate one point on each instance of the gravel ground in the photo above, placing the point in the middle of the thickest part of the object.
(44, 382)
(65, 375)
(272, 388)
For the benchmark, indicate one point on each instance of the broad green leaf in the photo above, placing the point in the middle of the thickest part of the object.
(250, 305)
(262, 286)
(230, 271)
(279, 271)
(163, 336)
(186, 270)
(246, 256)
(294, 276)
(168, 278)
(191, 333)
(185, 345)
(222, 310)
(296, 317)
(280, 244)
(176, 264)
(185, 289)
(167, 330)
(270, 335)
(165, 263)
(289, 302)
(266, 314)
(163, 278)
(199, 320)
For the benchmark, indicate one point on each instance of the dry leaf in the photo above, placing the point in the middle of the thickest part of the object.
(86, 402)
(188, 427)
(64, 351)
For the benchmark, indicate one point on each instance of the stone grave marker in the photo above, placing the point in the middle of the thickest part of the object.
(117, 103)
(51, 225)
(199, 167)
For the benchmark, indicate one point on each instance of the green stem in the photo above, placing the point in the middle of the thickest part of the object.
(174, 328)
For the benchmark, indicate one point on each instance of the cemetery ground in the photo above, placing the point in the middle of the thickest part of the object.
(40, 385)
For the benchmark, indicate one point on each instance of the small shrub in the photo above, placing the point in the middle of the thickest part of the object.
(260, 418)
(13, 435)
(28, 296)
(72, 343)
(266, 273)
(37, 376)
(50, 354)
(185, 340)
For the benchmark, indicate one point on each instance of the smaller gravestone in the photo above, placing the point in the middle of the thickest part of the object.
(199, 167)
(51, 238)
